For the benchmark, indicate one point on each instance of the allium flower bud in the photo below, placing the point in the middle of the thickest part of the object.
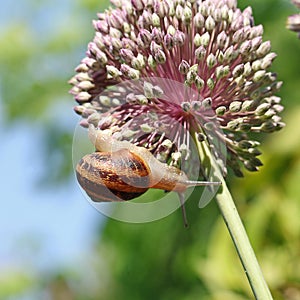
(293, 22)
(211, 47)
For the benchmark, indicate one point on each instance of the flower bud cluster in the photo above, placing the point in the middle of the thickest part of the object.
(210, 46)
(293, 22)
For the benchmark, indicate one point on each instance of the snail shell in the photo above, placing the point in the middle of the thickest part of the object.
(105, 179)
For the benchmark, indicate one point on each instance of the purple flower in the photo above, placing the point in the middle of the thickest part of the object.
(210, 48)
(293, 22)
(296, 2)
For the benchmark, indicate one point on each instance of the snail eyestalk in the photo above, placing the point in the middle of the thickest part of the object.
(190, 183)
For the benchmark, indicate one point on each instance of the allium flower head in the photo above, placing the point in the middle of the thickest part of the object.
(293, 22)
(211, 47)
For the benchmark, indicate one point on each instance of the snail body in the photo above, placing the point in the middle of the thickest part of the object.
(120, 170)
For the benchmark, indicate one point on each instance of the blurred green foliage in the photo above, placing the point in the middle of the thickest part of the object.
(160, 260)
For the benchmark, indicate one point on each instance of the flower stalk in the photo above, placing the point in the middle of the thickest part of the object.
(236, 229)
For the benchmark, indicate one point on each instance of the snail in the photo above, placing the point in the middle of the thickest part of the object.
(120, 170)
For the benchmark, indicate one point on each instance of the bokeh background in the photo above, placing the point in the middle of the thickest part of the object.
(54, 245)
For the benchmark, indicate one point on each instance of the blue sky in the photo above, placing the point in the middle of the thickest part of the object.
(44, 227)
(53, 226)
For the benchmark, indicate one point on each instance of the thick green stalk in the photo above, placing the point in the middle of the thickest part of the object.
(236, 229)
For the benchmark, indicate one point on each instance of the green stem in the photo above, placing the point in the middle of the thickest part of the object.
(237, 230)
